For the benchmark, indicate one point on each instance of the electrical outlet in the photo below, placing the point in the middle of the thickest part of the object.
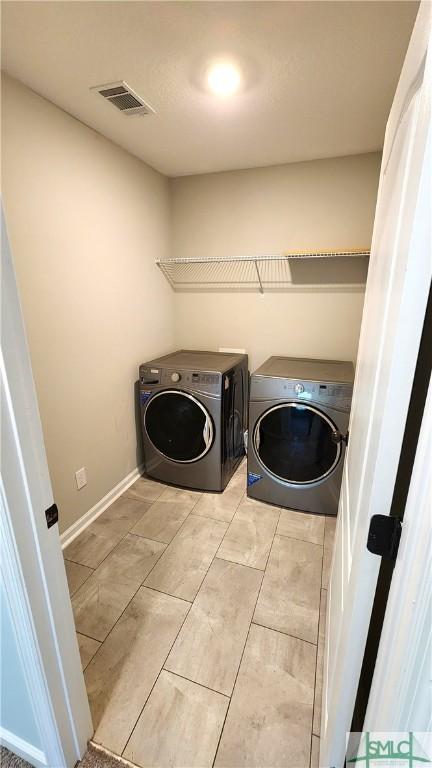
(81, 478)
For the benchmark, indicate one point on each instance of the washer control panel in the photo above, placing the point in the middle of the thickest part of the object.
(155, 378)
(337, 395)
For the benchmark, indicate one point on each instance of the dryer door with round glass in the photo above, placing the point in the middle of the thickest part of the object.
(297, 443)
(179, 426)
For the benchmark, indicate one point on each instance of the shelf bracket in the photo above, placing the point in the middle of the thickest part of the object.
(261, 289)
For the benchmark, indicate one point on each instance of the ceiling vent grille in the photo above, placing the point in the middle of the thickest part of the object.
(121, 96)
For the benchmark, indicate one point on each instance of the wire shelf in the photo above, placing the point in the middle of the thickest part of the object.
(270, 273)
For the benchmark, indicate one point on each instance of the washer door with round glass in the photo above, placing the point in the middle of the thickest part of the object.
(297, 443)
(179, 426)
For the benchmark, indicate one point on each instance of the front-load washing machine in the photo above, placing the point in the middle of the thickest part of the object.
(298, 430)
(194, 415)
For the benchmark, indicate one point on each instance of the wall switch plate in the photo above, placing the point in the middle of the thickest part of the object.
(81, 478)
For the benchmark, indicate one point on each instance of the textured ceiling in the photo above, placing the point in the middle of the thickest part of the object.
(319, 77)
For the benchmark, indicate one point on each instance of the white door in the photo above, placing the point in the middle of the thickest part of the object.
(395, 302)
(45, 716)
(401, 692)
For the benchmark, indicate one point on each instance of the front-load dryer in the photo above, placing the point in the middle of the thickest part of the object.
(193, 415)
(298, 429)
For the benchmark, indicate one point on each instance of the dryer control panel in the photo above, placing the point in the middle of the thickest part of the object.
(333, 395)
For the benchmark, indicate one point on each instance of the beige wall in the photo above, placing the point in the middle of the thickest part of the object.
(86, 221)
(313, 205)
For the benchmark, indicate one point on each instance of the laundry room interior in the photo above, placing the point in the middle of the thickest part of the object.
(192, 281)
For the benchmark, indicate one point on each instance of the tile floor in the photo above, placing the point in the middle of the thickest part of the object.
(200, 623)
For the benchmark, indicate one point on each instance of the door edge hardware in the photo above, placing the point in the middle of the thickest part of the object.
(384, 536)
(338, 437)
(51, 515)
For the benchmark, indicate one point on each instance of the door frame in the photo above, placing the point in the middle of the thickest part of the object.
(350, 601)
(32, 566)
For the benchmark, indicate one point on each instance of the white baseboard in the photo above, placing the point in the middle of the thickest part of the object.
(79, 526)
(22, 748)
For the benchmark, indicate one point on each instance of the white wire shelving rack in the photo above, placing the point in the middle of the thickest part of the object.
(260, 273)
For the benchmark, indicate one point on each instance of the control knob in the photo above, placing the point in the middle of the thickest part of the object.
(299, 388)
(175, 377)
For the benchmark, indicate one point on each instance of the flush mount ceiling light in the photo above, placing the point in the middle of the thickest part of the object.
(223, 78)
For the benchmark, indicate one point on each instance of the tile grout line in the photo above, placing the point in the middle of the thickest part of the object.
(109, 555)
(297, 538)
(118, 619)
(194, 682)
(148, 538)
(160, 592)
(244, 648)
(235, 682)
(318, 735)
(139, 587)
(235, 562)
(183, 523)
(213, 558)
(286, 634)
(147, 575)
(115, 545)
(172, 645)
(163, 552)
(90, 659)
(271, 545)
(215, 554)
(151, 503)
(75, 562)
(115, 623)
(128, 533)
(158, 483)
(89, 637)
(304, 541)
(71, 594)
(157, 677)
(205, 574)
(180, 628)
(170, 542)
(258, 624)
(216, 519)
(127, 605)
(316, 657)
(228, 522)
(167, 543)
(147, 510)
(265, 569)
(229, 525)
(332, 517)
(132, 597)
(112, 628)
(199, 588)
